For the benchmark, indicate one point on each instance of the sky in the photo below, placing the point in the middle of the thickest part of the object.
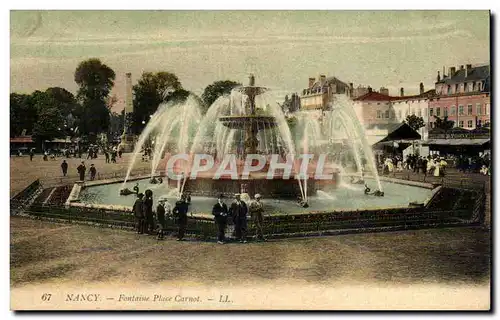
(391, 49)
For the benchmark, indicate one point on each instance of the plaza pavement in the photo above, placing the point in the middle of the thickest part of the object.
(44, 252)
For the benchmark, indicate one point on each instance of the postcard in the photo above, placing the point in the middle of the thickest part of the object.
(250, 160)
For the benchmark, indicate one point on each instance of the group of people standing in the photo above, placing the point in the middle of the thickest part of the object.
(145, 218)
(81, 169)
(236, 213)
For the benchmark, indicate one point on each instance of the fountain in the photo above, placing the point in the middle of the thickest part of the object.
(325, 162)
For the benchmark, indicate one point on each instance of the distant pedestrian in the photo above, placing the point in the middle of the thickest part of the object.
(120, 153)
(139, 213)
(81, 171)
(32, 154)
(424, 165)
(257, 214)
(64, 168)
(113, 156)
(93, 172)
(106, 155)
(239, 212)
(180, 213)
(220, 213)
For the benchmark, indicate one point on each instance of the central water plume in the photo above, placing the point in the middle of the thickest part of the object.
(248, 121)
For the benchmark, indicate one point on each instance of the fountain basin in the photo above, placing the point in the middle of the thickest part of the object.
(346, 197)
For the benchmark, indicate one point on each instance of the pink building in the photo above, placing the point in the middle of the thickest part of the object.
(464, 96)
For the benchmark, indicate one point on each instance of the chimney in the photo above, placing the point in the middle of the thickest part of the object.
(351, 85)
(421, 88)
(402, 90)
(370, 89)
(439, 77)
(461, 67)
(322, 78)
(311, 82)
(452, 71)
(443, 73)
(467, 69)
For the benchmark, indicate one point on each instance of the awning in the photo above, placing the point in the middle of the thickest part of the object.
(394, 143)
(58, 141)
(455, 142)
(399, 132)
(25, 139)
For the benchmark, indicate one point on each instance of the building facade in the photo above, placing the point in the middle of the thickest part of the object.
(464, 96)
(417, 105)
(375, 109)
(319, 94)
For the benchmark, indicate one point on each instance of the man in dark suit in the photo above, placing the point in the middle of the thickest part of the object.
(139, 213)
(81, 171)
(180, 213)
(220, 216)
(239, 212)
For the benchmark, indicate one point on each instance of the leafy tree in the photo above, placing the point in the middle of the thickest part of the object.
(63, 100)
(415, 122)
(444, 124)
(50, 119)
(213, 91)
(116, 123)
(22, 114)
(151, 90)
(95, 81)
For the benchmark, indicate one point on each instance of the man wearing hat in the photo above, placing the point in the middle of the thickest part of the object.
(239, 212)
(220, 216)
(257, 214)
(139, 214)
(180, 213)
(162, 211)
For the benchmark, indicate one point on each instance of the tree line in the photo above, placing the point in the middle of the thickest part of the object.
(57, 113)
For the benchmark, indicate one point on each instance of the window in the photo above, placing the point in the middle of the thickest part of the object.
(379, 114)
(419, 112)
(456, 88)
(461, 110)
(479, 123)
(387, 114)
(445, 111)
(438, 112)
(449, 89)
(431, 112)
(453, 110)
(478, 109)
(431, 124)
(469, 124)
(469, 109)
(461, 124)
(487, 108)
(399, 114)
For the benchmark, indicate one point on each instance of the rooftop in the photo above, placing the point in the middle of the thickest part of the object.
(473, 74)
(328, 80)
